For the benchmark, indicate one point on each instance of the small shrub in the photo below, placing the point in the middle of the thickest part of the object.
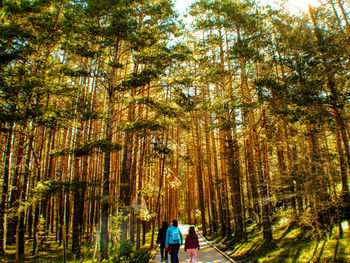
(125, 249)
(126, 253)
(123, 252)
(141, 256)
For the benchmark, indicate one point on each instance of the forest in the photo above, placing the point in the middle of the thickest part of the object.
(116, 115)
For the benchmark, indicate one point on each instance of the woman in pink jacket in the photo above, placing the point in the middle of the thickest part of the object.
(192, 244)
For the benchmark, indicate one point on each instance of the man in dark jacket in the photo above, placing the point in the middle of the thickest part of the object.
(161, 240)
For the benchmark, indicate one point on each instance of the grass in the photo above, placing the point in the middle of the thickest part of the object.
(292, 243)
(51, 252)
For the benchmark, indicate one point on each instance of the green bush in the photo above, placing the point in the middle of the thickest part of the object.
(125, 249)
(141, 256)
(127, 254)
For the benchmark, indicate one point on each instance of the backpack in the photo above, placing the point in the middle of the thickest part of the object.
(175, 235)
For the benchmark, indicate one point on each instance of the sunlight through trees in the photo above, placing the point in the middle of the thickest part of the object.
(117, 116)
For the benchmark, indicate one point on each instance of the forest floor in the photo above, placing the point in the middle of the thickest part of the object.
(292, 243)
(48, 251)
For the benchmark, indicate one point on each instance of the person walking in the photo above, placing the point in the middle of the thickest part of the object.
(192, 244)
(174, 240)
(161, 240)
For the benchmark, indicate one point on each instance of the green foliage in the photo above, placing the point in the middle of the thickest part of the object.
(125, 250)
(293, 242)
(141, 79)
(181, 52)
(80, 49)
(115, 64)
(142, 255)
(47, 189)
(126, 253)
(163, 108)
(10, 37)
(88, 148)
(53, 53)
(30, 33)
(185, 101)
(245, 49)
(161, 148)
(42, 232)
(74, 73)
(152, 125)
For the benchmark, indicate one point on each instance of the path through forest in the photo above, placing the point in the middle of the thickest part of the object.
(206, 254)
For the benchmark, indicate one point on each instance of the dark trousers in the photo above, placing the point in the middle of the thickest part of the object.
(174, 253)
(163, 252)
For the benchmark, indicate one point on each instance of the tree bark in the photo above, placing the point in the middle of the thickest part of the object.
(125, 176)
(199, 170)
(5, 185)
(104, 241)
(12, 221)
(212, 195)
(267, 229)
(21, 221)
(234, 176)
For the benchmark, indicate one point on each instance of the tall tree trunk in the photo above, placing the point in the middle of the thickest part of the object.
(199, 170)
(234, 176)
(267, 229)
(139, 188)
(104, 242)
(222, 136)
(217, 183)
(341, 6)
(233, 155)
(319, 187)
(282, 165)
(336, 14)
(12, 221)
(336, 99)
(36, 218)
(297, 175)
(5, 184)
(250, 167)
(133, 195)
(161, 178)
(345, 196)
(212, 195)
(125, 176)
(190, 187)
(76, 250)
(21, 221)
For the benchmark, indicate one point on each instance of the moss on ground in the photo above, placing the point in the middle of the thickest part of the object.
(51, 252)
(292, 243)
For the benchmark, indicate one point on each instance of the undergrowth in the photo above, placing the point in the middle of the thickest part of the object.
(292, 242)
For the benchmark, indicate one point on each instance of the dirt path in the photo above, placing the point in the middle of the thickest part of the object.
(206, 254)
